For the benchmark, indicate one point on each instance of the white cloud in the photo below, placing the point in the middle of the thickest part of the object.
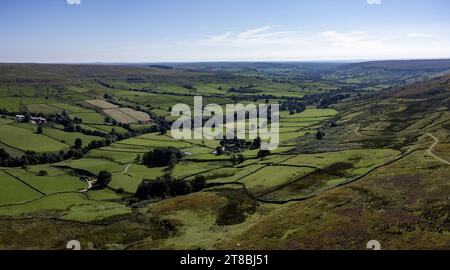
(255, 37)
(374, 2)
(74, 2)
(344, 38)
(421, 35)
(269, 43)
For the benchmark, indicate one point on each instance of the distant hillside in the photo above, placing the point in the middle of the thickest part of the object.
(376, 74)
(63, 72)
(401, 65)
(255, 66)
(433, 88)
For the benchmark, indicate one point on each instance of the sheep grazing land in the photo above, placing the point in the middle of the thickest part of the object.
(359, 157)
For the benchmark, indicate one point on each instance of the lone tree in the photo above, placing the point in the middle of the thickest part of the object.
(162, 130)
(219, 150)
(256, 143)
(198, 183)
(320, 135)
(40, 129)
(42, 173)
(173, 160)
(103, 179)
(263, 153)
(78, 143)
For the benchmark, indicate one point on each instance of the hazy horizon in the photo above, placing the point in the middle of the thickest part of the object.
(233, 61)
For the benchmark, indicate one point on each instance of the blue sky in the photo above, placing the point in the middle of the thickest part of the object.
(217, 30)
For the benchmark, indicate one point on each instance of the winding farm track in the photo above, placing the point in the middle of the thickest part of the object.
(430, 150)
(126, 168)
(357, 131)
(89, 182)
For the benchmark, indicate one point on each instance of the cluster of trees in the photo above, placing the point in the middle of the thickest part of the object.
(237, 145)
(293, 106)
(331, 99)
(324, 99)
(162, 157)
(103, 179)
(107, 85)
(189, 87)
(33, 158)
(167, 185)
(245, 89)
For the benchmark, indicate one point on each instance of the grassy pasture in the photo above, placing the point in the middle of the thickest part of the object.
(95, 211)
(6, 120)
(89, 117)
(187, 168)
(120, 116)
(140, 116)
(131, 179)
(92, 165)
(26, 139)
(14, 191)
(273, 176)
(52, 183)
(70, 206)
(35, 100)
(225, 175)
(42, 108)
(70, 108)
(102, 195)
(69, 137)
(105, 128)
(309, 114)
(150, 144)
(14, 152)
(101, 104)
(116, 156)
(11, 104)
(160, 112)
(287, 136)
(362, 159)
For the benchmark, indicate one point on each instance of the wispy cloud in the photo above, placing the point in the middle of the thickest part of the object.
(344, 38)
(256, 37)
(74, 2)
(374, 2)
(270, 43)
(421, 35)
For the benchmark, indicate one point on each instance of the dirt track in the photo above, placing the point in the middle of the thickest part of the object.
(430, 150)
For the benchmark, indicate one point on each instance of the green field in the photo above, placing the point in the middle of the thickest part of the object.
(69, 137)
(54, 182)
(42, 108)
(10, 103)
(89, 117)
(379, 170)
(14, 191)
(25, 139)
(92, 165)
(69, 206)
